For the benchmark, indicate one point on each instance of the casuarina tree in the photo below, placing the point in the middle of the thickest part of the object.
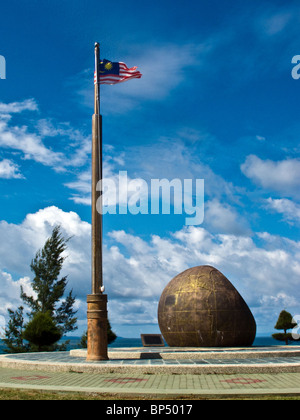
(111, 336)
(13, 334)
(49, 290)
(41, 331)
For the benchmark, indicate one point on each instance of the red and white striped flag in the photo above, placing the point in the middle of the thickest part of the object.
(110, 73)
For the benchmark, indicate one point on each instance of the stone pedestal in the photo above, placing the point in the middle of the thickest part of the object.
(97, 327)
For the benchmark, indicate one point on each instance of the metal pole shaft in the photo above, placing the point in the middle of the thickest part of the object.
(97, 301)
(97, 275)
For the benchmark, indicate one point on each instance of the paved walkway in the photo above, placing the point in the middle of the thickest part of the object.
(159, 384)
(271, 374)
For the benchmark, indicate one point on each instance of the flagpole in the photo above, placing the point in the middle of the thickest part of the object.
(97, 275)
(97, 301)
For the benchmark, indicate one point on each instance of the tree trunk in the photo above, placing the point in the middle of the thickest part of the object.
(286, 338)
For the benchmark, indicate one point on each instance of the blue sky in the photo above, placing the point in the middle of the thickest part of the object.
(216, 102)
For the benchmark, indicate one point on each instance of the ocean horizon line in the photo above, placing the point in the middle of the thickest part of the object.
(260, 341)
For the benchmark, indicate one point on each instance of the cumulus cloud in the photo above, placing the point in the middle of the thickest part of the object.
(16, 107)
(289, 209)
(280, 176)
(263, 274)
(266, 275)
(29, 141)
(78, 145)
(264, 268)
(223, 218)
(25, 239)
(21, 139)
(10, 291)
(9, 169)
(29, 236)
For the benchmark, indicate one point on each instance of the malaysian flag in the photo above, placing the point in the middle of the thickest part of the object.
(111, 73)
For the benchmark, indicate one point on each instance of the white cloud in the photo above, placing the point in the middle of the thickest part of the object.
(139, 270)
(280, 176)
(20, 138)
(273, 22)
(163, 68)
(16, 107)
(24, 240)
(9, 169)
(10, 291)
(289, 209)
(178, 160)
(29, 236)
(281, 299)
(78, 145)
(29, 143)
(82, 183)
(136, 270)
(223, 218)
(260, 138)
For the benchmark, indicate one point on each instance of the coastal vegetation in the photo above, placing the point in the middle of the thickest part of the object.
(51, 315)
(285, 322)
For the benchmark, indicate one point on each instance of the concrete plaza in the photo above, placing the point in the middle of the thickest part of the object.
(159, 372)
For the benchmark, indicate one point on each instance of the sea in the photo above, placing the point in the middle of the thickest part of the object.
(137, 342)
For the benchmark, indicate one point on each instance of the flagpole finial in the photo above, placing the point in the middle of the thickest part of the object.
(96, 44)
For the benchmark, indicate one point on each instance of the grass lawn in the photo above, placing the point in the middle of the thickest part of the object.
(22, 394)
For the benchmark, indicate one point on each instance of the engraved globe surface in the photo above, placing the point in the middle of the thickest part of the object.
(201, 308)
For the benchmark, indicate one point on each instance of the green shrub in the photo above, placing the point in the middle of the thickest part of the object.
(41, 331)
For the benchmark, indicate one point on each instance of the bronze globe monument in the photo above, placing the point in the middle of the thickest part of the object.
(201, 308)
